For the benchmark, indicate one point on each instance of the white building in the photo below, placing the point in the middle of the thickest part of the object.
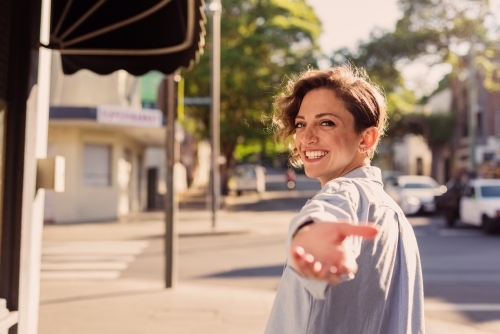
(112, 147)
(412, 156)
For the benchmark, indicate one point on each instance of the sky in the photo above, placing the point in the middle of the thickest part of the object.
(345, 22)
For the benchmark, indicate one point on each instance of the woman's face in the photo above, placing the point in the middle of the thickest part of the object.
(325, 136)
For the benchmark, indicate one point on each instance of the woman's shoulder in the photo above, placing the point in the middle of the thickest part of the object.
(340, 189)
(343, 184)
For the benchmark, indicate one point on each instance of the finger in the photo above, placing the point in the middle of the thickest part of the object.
(333, 276)
(347, 268)
(304, 263)
(365, 231)
(327, 272)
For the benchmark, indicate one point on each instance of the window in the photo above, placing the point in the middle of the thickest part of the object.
(418, 186)
(97, 165)
(490, 191)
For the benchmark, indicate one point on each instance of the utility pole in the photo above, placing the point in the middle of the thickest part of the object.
(472, 108)
(170, 198)
(215, 8)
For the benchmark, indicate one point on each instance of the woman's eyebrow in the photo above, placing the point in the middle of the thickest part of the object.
(320, 115)
(326, 114)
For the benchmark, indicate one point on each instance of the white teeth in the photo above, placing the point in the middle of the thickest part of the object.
(315, 154)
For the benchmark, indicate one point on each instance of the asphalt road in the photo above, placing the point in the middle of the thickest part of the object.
(461, 266)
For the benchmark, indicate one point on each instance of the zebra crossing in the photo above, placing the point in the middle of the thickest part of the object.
(84, 260)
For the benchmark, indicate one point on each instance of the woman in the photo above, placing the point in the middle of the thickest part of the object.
(344, 275)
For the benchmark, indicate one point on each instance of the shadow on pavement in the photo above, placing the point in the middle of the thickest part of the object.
(267, 271)
(273, 204)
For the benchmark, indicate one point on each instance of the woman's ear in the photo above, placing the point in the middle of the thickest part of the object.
(369, 139)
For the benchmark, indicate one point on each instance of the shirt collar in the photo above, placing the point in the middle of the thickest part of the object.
(366, 172)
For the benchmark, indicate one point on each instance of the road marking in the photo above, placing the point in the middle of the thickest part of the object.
(459, 233)
(96, 260)
(462, 307)
(80, 275)
(116, 265)
(87, 257)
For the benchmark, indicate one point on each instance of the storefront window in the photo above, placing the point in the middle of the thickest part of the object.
(97, 165)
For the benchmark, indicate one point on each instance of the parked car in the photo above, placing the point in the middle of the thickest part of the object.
(414, 193)
(248, 177)
(480, 204)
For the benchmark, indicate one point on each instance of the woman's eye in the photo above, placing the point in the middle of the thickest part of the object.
(327, 123)
(299, 125)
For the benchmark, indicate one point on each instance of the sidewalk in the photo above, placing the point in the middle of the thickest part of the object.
(133, 306)
(123, 306)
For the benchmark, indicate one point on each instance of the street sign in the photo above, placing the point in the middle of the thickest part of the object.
(197, 101)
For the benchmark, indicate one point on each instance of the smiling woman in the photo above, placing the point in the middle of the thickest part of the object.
(353, 263)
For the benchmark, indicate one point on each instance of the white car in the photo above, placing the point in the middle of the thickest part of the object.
(480, 204)
(414, 193)
(247, 177)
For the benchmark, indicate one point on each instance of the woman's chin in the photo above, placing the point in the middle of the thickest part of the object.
(311, 173)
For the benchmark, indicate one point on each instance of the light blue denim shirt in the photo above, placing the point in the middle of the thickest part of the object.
(386, 295)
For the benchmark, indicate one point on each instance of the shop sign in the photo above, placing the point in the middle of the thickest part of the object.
(145, 118)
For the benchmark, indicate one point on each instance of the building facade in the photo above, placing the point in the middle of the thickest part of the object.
(110, 145)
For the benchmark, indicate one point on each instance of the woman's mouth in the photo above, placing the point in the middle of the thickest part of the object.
(315, 155)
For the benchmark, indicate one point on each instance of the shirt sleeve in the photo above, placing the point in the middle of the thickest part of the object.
(337, 202)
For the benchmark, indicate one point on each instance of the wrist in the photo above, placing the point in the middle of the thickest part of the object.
(302, 229)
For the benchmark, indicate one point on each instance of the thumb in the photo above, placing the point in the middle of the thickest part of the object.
(365, 231)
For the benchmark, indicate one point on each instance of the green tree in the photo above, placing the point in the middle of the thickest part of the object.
(431, 28)
(262, 41)
(434, 30)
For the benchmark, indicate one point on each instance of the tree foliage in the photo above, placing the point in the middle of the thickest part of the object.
(261, 42)
(433, 29)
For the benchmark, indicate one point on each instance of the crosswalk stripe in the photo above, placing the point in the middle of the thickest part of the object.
(99, 260)
(65, 275)
(121, 265)
(462, 307)
(86, 257)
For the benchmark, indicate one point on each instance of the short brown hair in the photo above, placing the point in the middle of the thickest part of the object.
(363, 99)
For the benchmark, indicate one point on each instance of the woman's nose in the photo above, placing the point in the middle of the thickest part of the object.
(309, 135)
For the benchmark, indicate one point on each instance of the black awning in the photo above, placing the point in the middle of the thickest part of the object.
(137, 36)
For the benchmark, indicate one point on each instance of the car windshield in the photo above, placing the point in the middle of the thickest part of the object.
(490, 191)
(417, 186)
(245, 172)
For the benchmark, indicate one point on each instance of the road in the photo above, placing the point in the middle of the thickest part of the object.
(461, 266)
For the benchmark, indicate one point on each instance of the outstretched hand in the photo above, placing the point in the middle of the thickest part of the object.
(318, 250)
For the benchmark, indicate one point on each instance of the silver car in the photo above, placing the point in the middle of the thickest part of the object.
(414, 193)
(247, 177)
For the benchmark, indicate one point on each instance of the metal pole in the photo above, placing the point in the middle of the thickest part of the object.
(170, 199)
(472, 108)
(215, 7)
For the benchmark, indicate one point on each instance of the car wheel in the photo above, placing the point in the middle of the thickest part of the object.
(487, 225)
(451, 218)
